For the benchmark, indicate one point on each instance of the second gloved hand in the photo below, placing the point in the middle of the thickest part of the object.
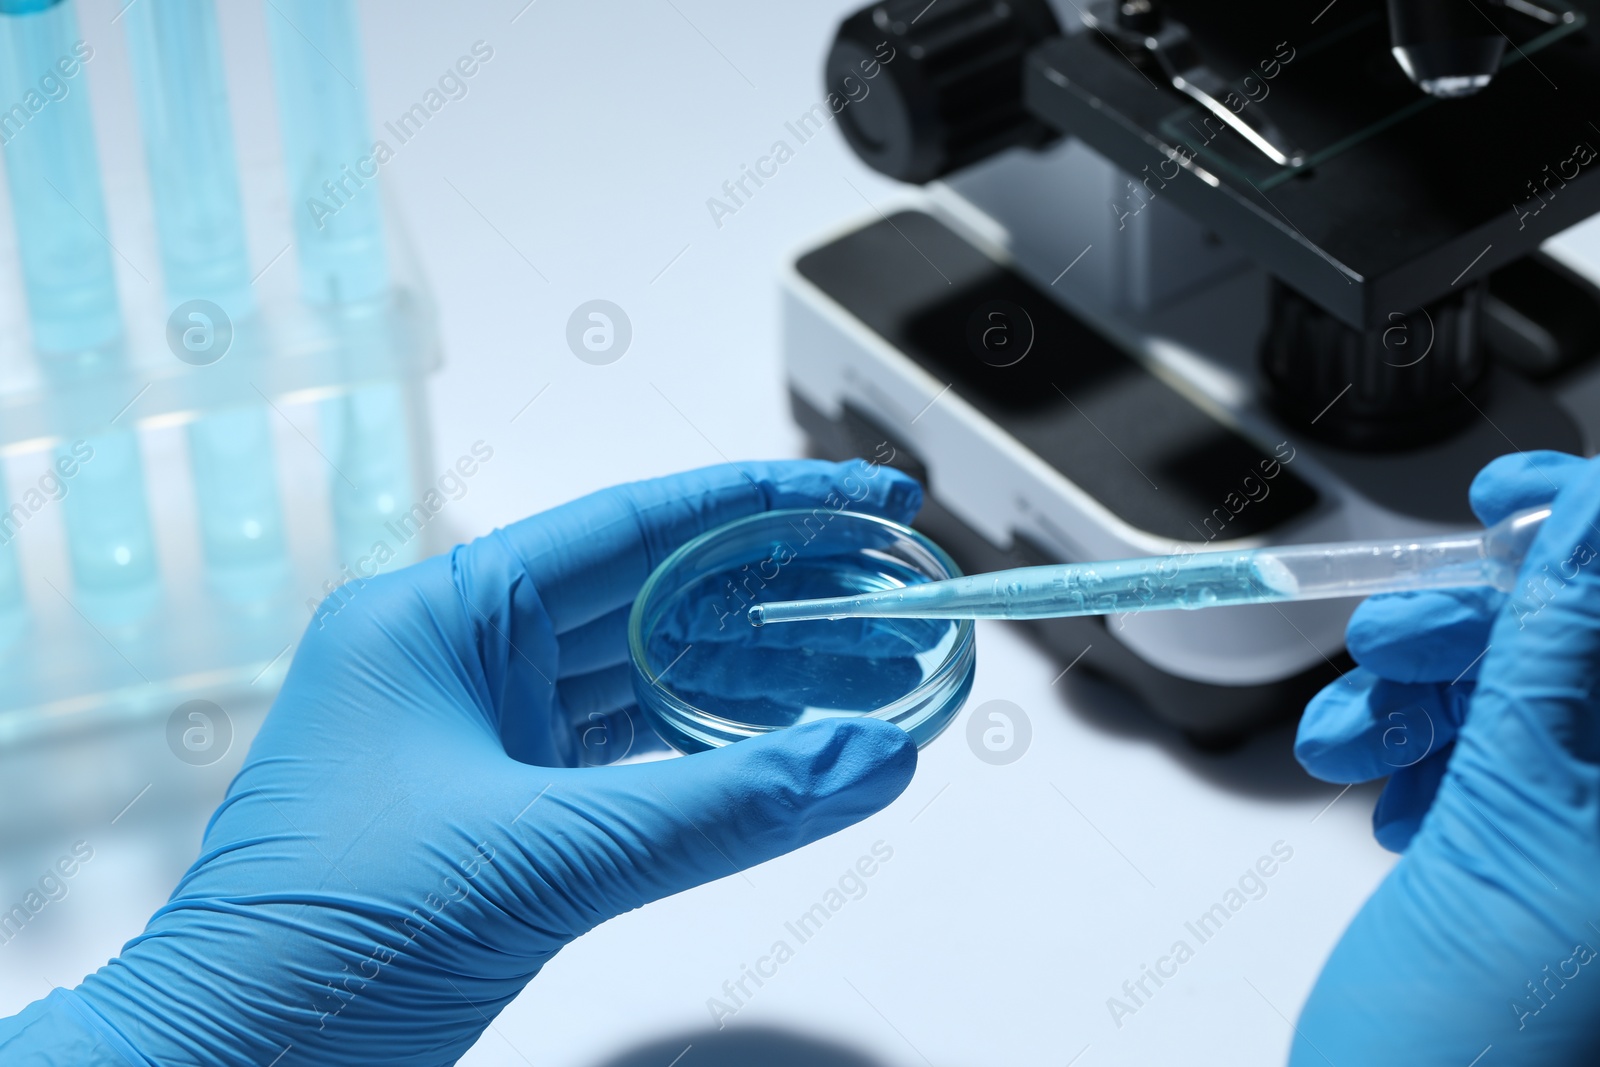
(1483, 944)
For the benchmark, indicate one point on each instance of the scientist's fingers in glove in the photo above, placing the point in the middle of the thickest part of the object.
(776, 687)
(1479, 945)
(1406, 798)
(1362, 727)
(451, 888)
(1439, 635)
(654, 829)
(1420, 655)
(409, 842)
(589, 557)
(569, 575)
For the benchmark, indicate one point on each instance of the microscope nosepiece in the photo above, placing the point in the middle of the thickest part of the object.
(1448, 48)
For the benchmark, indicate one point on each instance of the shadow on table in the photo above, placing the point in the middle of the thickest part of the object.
(743, 1047)
(1261, 764)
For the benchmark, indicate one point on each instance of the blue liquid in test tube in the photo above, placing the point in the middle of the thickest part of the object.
(342, 251)
(176, 56)
(13, 606)
(54, 174)
(59, 210)
(322, 107)
(108, 528)
(177, 64)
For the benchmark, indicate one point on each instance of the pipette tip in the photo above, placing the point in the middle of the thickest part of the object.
(757, 615)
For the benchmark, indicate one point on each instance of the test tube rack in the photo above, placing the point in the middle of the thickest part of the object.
(311, 401)
(63, 663)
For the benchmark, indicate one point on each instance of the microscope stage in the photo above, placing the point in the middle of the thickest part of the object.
(1401, 198)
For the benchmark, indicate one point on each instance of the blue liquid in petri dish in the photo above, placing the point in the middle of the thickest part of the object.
(704, 665)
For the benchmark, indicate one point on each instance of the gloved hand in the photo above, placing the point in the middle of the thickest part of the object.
(409, 840)
(1484, 709)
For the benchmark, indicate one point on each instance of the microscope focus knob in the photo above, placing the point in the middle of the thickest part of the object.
(1401, 384)
(923, 89)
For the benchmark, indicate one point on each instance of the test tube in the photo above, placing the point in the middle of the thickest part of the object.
(54, 174)
(322, 108)
(13, 605)
(62, 239)
(367, 430)
(182, 93)
(343, 258)
(176, 56)
(109, 539)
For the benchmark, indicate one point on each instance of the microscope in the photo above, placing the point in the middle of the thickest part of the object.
(1183, 276)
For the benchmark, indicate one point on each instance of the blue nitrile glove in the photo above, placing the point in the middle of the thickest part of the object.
(410, 840)
(1486, 935)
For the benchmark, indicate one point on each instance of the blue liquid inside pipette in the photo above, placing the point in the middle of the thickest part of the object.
(1190, 580)
(1122, 586)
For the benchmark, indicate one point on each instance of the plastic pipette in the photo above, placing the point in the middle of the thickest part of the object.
(1280, 573)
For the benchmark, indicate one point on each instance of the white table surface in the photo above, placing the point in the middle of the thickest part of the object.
(1019, 898)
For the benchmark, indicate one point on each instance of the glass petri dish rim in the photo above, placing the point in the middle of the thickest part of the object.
(675, 719)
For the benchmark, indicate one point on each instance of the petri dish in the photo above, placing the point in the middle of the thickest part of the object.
(705, 677)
